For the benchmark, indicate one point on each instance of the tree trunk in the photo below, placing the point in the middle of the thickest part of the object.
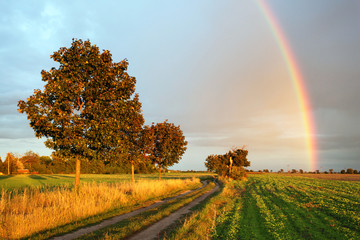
(230, 169)
(77, 173)
(159, 173)
(132, 172)
(8, 166)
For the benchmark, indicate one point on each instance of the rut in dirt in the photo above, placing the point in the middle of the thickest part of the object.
(111, 221)
(154, 230)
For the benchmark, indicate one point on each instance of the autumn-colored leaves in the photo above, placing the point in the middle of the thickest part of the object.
(89, 109)
(230, 164)
(167, 144)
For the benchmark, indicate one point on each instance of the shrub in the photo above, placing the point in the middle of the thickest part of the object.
(237, 173)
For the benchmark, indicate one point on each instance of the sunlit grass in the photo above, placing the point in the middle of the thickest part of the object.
(129, 226)
(32, 210)
(13, 182)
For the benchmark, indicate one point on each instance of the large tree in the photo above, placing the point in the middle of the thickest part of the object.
(166, 146)
(88, 108)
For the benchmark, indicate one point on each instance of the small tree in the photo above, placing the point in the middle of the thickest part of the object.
(342, 171)
(11, 163)
(211, 163)
(218, 164)
(349, 171)
(331, 171)
(30, 159)
(87, 108)
(167, 144)
(2, 166)
(230, 164)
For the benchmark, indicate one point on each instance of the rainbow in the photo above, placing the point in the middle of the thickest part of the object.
(297, 80)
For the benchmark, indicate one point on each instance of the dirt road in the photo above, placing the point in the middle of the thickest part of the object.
(153, 231)
(114, 220)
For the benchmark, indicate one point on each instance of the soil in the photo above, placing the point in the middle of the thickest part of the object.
(335, 176)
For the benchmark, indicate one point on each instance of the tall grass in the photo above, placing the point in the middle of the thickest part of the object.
(27, 212)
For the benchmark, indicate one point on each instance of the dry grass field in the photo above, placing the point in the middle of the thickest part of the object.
(28, 211)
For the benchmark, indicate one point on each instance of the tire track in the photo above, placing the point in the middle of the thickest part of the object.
(111, 221)
(153, 231)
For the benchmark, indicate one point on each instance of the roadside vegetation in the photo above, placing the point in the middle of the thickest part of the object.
(29, 211)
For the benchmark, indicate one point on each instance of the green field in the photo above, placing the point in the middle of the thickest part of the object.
(273, 206)
(12, 182)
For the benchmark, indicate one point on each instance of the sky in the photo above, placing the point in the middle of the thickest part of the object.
(212, 67)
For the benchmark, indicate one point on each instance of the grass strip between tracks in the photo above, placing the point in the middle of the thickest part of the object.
(201, 224)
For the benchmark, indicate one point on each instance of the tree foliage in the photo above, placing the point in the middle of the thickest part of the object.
(88, 108)
(30, 160)
(230, 164)
(11, 163)
(165, 145)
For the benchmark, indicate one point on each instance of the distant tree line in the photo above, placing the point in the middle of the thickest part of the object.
(33, 163)
(350, 171)
(330, 171)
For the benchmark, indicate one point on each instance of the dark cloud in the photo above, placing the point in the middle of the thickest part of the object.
(347, 142)
(215, 69)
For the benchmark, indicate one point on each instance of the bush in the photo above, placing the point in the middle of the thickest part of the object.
(237, 173)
